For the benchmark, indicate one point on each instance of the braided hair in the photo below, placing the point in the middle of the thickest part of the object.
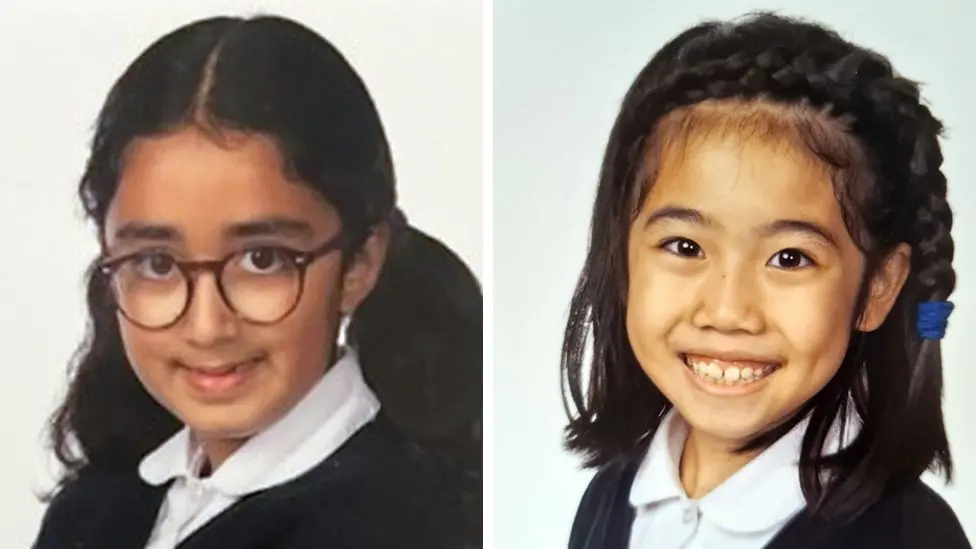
(881, 144)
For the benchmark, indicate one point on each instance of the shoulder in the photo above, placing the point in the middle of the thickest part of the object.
(377, 491)
(601, 502)
(378, 457)
(924, 518)
(606, 483)
(88, 500)
(912, 517)
(85, 491)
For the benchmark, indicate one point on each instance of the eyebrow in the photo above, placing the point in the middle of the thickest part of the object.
(676, 213)
(779, 226)
(270, 226)
(798, 226)
(137, 230)
(266, 226)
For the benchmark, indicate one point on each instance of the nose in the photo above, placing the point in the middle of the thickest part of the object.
(729, 301)
(208, 320)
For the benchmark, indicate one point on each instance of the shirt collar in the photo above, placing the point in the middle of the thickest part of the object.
(657, 477)
(337, 406)
(764, 493)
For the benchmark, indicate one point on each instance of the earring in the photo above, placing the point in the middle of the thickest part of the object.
(343, 328)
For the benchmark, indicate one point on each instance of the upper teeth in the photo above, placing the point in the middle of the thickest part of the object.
(712, 370)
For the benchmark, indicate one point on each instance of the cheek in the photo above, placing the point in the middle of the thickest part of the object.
(655, 302)
(304, 338)
(816, 323)
(149, 354)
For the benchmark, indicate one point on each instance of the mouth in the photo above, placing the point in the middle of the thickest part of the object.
(729, 372)
(219, 378)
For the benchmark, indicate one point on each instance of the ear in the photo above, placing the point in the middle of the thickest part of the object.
(364, 269)
(884, 288)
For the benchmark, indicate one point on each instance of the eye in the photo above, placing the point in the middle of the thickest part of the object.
(154, 265)
(790, 259)
(683, 247)
(265, 260)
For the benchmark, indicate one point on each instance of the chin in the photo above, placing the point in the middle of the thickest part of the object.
(238, 420)
(222, 428)
(736, 430)
(733, 422)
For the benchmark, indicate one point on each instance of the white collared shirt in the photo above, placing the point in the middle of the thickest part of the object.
(338, 406)
(746, 511)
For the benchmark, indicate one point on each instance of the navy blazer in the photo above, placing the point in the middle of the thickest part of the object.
(913, 518)
(373, 493)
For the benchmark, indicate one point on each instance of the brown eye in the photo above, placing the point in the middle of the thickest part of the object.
(790, 259)
(154, 265)
(264, 260)
(683, 247)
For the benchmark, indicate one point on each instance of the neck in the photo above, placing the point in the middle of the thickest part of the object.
(707, 462)
(217, 452)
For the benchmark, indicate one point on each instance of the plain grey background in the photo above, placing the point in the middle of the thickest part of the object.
(422, 61)
(561, 68)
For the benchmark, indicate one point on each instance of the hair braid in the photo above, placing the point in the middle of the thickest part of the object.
(933, 246)
(928, 227)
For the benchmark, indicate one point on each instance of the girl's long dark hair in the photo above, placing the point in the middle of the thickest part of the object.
(419, 334)
(886, 161)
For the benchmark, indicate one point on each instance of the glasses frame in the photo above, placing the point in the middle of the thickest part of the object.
(302, 260)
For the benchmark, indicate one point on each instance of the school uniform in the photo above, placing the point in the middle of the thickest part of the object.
(639, 503)
(331, 473)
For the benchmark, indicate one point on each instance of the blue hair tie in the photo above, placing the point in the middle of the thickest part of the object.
(933, 317)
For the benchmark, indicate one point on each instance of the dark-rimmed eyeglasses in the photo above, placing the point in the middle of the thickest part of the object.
(261, 284)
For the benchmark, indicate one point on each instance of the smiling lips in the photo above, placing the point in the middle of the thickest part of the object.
(218, 379)
(219, 369)
(729, 372)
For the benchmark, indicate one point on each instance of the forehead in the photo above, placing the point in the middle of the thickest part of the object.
(754, 156)
(744, 178)
(190, 180)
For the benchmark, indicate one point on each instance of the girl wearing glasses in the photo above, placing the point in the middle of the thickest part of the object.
(243, 191)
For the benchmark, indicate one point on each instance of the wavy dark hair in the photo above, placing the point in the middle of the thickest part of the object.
(418, 334)
(880, 143)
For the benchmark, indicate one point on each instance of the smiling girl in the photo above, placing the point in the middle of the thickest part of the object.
(243, 192)
(765, 291)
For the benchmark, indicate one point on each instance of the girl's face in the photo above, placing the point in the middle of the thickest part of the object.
(742, 284)
(183, 196)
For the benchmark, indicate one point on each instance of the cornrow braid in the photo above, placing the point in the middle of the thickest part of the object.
(894, 377)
